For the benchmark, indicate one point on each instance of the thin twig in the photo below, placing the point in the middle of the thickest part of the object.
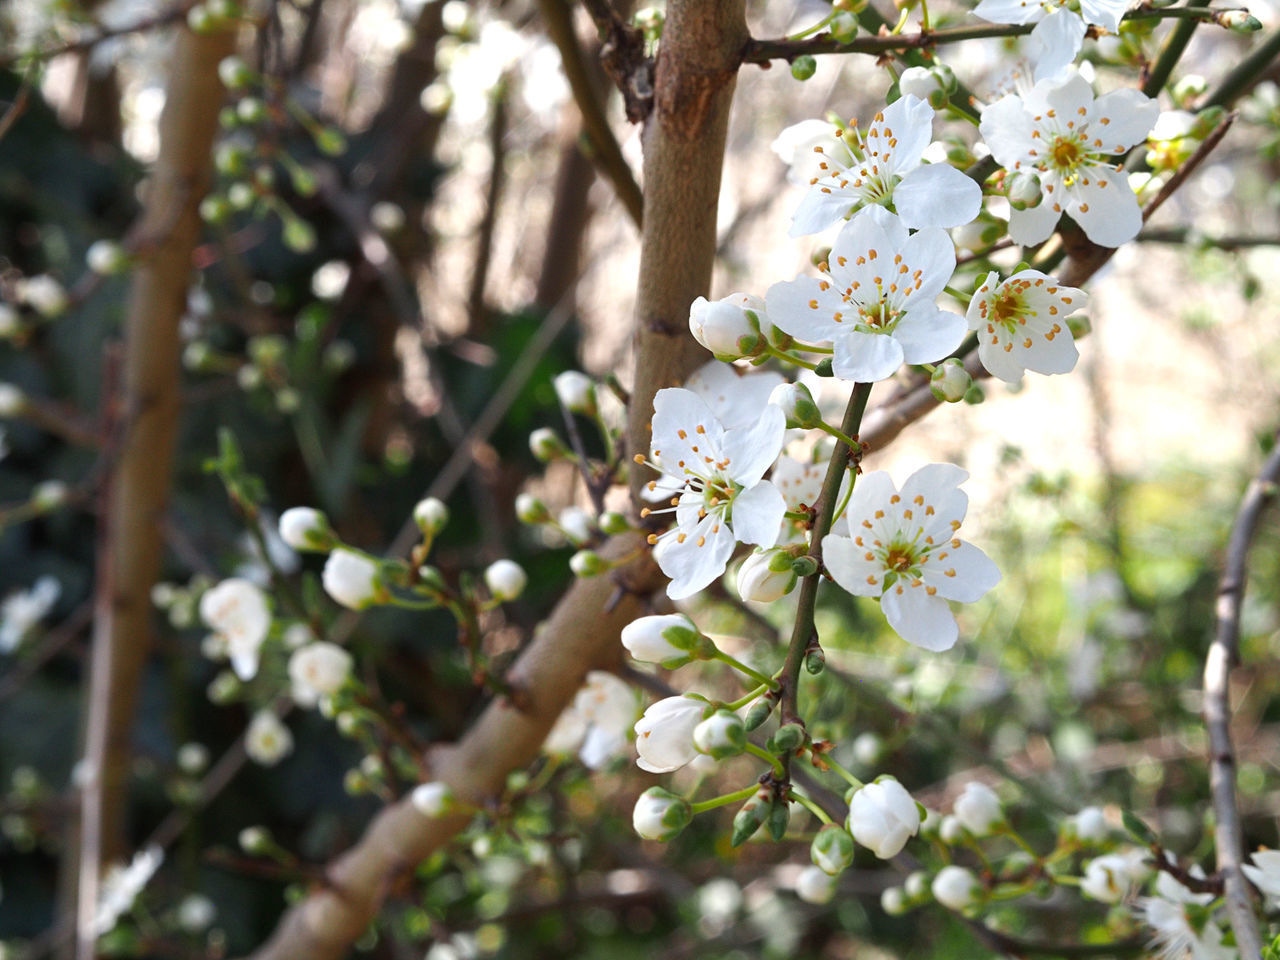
(48, 648)
(163, 19)
(1224, 652)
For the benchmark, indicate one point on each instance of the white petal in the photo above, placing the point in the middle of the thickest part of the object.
(1105, 13)
(752, 450)
(1054, 43)
(676, 411)
(849, 567)
(932, 253)
(870, 493)
(1108, 216)
(1000, 363)
(937, 195)
(757, 514)
(1058, 355)
(1130, 115)
(974, 573)
(919, 618)
(866, 357)
(909, 122)
(935, 482)
(1029, 227)
(735, 398)
(819, 210)
(928, 335)
(691, 566)
(789, 304)
(1009, 11)
(1007, 129)
(1070, 97)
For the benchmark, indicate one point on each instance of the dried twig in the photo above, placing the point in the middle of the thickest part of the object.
(1224, 652)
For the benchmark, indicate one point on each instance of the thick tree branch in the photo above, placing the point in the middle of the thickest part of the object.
(1224, 652)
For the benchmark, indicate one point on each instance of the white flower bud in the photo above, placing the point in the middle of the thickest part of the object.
(1091, 825)
(669, 639)
(12, 400)
(796, 402)
(761, 580)
(318, 670)
(255, 840)
(815, 886)
(720, 735)
(916, 884)
(978, 809)
(1024, 191)
(660, 814)
(296, 635)
(664, 735)
(531, 510)
(386, 217)
(49, 495)
(950, 381)
(919, 82)
(867, 748)
(193, 758)
(1106, 879)
(106, 257)
(729, 328)
(43, 294)
(196, 913)
(432, 799)
(305, 528)
(267, 741)
(505, 580)
(588, 563)
(951, 830)
(883, 816)
(832, 849)
(430, 515)
(576, 392)
(545, 445)
(893, 902)
(352, 578)
(955, 888)
(223, 688)
(234, 73)
(576, 524)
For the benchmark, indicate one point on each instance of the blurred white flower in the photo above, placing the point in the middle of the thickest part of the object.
(22, 610)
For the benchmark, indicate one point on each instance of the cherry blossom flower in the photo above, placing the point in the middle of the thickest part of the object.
(736, 399)
(1264, 873)
(883, 816)
(664, 735)
(21, 611)
(882, 167)
(318, 670)
(1105, 13)
(902, 547)
(121, 886)
(267, 741)
(1071, 141)
(237, 610)
(1021, 324)
(713, 476)
(598, 723)
(1180, 929)
(876, 304)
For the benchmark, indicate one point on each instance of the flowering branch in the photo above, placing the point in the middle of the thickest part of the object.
(1224, 652)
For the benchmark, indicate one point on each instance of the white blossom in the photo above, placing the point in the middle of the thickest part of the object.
(1264, 873)
(955, 887)
(664, 735)
(814, 885)
(902, 547)
(660, 814)
(352, 578)
(1072, 142)
(318, 670)
(1021, 324)
(305, 528)
(432, 799)
(736, 398)
(22, 610)
(237, 610)
(43, 294)
(714, 477)
(505, 579)
(121, 885)
(1106, 879)
(728, 327)
(267, 741)
(883, 167)
(1179, 931)
(883, 816)
(598, 723)
(662, 638)
(978, 809)
(575, 391)
(876, 303)
(758, 581)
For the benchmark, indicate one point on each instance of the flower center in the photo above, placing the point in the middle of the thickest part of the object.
(1067, 154)
(1006, 309)
(899, 558)
(879, 317)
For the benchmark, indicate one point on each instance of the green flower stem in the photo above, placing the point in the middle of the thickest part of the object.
(848, 777)
(1170, 53)
(924, 16)
(810, 31)
(803, 630)
(810, 348)
(796, 515)
(976, 847)
(844, 502)
(1008, 831)
(809, 805)
(959, 295)
(741, 667)
(839, 435)
(766, 756)
(747, 698)
(962, 114)
(785, 357)
(744, 794)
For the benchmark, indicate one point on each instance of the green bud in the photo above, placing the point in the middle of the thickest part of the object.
(1080, 325)
(803, 67)
(975, 395)
(788, 737)
(354, 782)
(256, 841)
(939, 99)
(804, 566)
(588, 563)
(264, 177)
(750, 818)
(200, 20)
(843, 27)
(950, 381)
(234, 73)
(546, 445)
(251, 110)
(330, 142)
(832, 849)
(815, 660)
(228, 118)
(214, 209)
(660, 814)
(1240, 21)
(759, 711)
(779, 818)
(612, 523)
(267, 350)
(231, 159)
(299, 236)
(824, 368)
(304, 182)
(431, 578)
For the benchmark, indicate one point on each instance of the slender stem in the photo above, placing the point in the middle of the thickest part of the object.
(1224, 652)
(743, 700)
(803, 630)
(744, 794)
(809, 805)
(838, 434)
(738, 665)
(845, 775)
(1169, 56)
(788, 358)
(767, 757)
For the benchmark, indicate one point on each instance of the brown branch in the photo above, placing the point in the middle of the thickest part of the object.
(1224, 652)
(477, 315)
(557, 16)
(130, 543)
(623, 56)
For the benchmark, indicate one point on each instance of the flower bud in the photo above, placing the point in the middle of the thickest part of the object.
(1024, 191)
(251, 110)
(815, 660)
(430, 515)
(305, 528)
(1206, 121)
(576, 392)
(1188, 88)
(759, 711)
(299, 236)
(267, 741)
(12, 400)
(814, 886)
(919, 82)
(531, 510)
(950, 830)
(223, 688)
(546, 445)
(883, 816)
(893, 901)
(720, 735)
(750, 818)
(44, 295)
(505, 579)
(955, 887)
(660, 814)
(1106, 879)
(778, 819)
(240, 196)
(432, 799)
(796, 402)
(612, 522)
(318, 670)
(867, 749)
(49, 495)
(214, 209)
(843, 27)
(588, 563)
(803, 67)
(978, 809)
(330, 142)
(1090, 825)
(193, 758)
(669, 639)
(1241, 21)
(788, 737)
(256, 841)
(832, 849)
(950, 381)
(730, 327)
(576, 524)
(916, 885)
(106, 257)
(234, 73)
(766, 576)
(353, 579)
